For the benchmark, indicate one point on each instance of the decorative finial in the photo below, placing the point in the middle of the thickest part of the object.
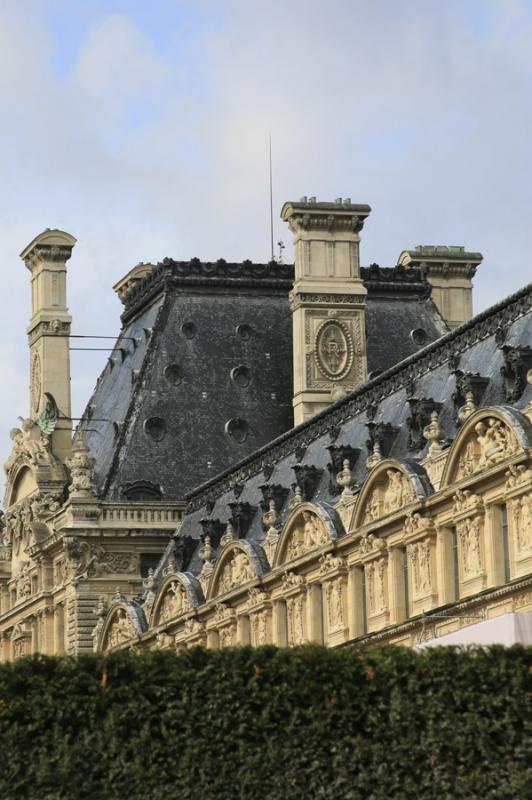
(375, 456)
(468, 408)
(432, 434)
(346, 479)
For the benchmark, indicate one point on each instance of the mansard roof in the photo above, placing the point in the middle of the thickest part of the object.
(488, 357)
(201, 373)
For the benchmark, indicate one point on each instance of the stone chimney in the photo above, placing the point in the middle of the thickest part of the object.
(327, 301)
(450, 271)
(49, 331)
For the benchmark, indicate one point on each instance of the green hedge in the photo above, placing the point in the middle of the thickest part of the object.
(268, 724)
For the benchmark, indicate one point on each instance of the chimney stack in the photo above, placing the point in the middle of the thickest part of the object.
(327, 301)
(49, 331)
(450, 271)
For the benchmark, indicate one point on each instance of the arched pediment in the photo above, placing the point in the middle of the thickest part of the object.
(178, 593)
(488, 436)
(239, 563)
(390, 486)
(21, 482)
(125, 621)
(309, 527)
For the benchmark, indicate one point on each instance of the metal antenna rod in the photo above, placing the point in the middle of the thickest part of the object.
(271, 200)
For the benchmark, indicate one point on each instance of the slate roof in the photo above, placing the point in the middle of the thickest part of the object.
(201, 373)
(491, 355)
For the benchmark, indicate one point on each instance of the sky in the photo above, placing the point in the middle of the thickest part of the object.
(142, 129)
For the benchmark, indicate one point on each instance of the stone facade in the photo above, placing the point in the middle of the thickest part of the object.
(398, 560)
(398, 509)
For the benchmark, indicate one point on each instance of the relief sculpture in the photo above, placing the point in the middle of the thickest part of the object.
(334, 350)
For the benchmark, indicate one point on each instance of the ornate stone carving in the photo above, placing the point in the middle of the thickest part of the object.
(468, 407)
(334, 592)
(330, 563)
(376, 455)
(372, 544)
(346, 479)
(291, 581)
(101, 609)
(206, 554)
(468, 393)
(517, 362)
(269, 520)
(87, 560)
(174, 602)
(334, 349)
(340, 454)
(432, 434)
(23, 582)
(490, 442)
(465, 501)
(81, 465)
(469, 531)
(30, 445)
(259, 627)
(120, 630)
(388, 496)
(295, 613)
(522, 515)
(517, 475)
(420, 559)
(421, 410)
(236, 571)
(375, 586)
(307, 534)
(307, 478)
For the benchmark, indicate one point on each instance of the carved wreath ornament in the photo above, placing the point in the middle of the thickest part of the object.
(334, 350)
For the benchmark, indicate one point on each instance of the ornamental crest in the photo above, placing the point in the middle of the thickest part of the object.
(334, 349)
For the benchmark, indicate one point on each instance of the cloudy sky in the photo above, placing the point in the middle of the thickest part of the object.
(142, 129)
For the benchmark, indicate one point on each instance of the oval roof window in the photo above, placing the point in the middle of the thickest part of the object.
(173, 374)
(188, 330)
(237, 429)
(241, 375)
(155, 427)
(419, 336)
(244, 331)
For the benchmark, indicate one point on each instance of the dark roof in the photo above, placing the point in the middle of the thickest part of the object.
(490, 355)
(201, 374)
(208, 380)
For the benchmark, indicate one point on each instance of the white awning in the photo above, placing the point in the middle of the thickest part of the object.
(508, 629)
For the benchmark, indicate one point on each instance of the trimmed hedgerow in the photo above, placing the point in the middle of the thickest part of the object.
(268, 724)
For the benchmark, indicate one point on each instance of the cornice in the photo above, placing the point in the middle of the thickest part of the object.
(401, 375)
(168, 274)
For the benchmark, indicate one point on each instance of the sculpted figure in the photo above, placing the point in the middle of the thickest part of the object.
(314, 535)
(393, 496)
(242, 570)
(494, 441)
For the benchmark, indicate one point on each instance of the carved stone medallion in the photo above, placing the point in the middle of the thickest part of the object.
(334, 349)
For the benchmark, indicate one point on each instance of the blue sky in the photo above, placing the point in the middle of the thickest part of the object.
(142, 128)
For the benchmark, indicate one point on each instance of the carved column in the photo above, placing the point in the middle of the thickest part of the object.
(295, 594)
(328, 302)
